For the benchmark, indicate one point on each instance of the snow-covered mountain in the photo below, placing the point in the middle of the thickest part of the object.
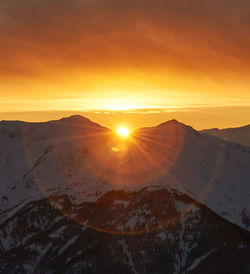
(178, 197)
(239, 135)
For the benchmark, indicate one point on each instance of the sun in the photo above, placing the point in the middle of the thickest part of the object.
(123, 131)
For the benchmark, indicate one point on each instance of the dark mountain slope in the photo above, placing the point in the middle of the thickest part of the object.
(152, 230)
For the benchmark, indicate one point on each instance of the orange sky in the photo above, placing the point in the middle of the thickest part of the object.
(83, 55)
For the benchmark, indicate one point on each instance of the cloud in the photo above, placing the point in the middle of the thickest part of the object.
(84, 47)
(201, 36)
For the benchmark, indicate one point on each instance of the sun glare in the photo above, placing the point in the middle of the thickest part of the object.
(123, 132)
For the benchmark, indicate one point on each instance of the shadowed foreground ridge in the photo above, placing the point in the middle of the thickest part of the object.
(48, 241)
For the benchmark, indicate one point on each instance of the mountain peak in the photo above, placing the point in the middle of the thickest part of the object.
(170, 122)
(78, 119)
(176, 124)
(75, 118)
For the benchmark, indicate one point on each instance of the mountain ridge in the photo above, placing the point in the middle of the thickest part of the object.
(239, 135)
(83, 154)
(168, 198)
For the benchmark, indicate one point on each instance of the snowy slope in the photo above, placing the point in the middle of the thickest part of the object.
(84, 160)
(239, 135)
